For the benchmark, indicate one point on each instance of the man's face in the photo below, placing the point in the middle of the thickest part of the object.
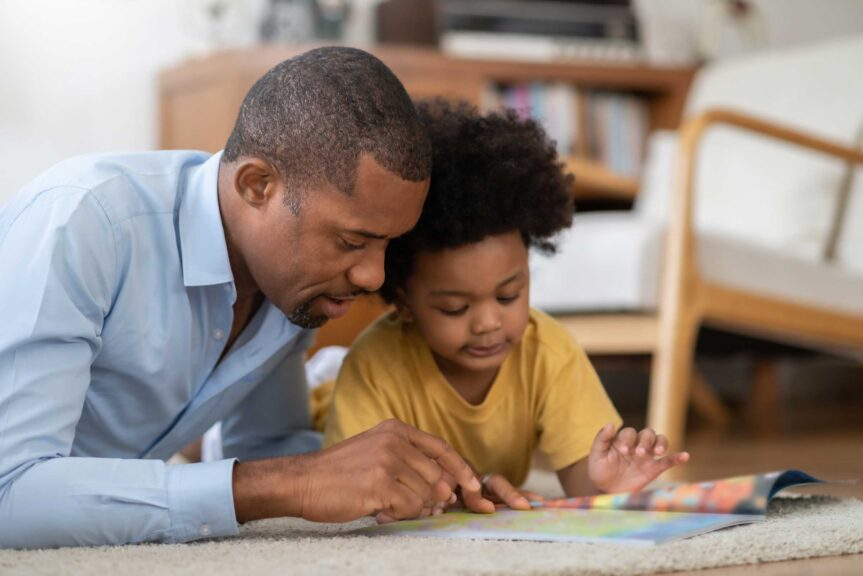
(313, 264)
(470, 303)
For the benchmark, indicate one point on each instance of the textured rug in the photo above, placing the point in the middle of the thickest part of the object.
(796, 527)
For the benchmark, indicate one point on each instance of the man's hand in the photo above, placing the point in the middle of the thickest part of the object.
(393, 470)
(500, 491)
(496, 489)
(628, 460)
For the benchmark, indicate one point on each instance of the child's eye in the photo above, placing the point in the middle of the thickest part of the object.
(507, 299)
(351, 246)
(456, 312)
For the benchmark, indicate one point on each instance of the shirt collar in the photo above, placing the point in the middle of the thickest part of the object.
(202, 237)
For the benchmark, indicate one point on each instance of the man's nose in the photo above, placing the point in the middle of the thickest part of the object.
(368, 273)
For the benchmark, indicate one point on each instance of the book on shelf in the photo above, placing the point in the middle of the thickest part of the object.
(618, 128)
(613, 129)
(648, 517)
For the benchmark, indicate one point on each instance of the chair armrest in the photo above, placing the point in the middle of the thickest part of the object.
(593, 180)
(680, 244)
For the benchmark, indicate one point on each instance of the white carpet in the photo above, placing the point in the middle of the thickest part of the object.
(795, 528)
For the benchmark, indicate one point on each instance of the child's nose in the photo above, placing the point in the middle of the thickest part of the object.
(486, 321)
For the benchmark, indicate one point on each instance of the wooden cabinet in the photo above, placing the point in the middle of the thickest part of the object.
(199, 101)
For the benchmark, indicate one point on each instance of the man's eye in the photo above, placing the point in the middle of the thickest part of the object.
(507, 299)
(456, 312)
(351, 246)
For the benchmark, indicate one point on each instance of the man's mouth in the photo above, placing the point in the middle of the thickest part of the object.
(334, 307)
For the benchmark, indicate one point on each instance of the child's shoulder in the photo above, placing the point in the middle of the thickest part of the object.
(385, 332)
(549, 337)
(389, 338)
(389, 351)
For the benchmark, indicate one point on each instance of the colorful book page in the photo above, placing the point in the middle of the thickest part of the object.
(564, 525)
(739, 495)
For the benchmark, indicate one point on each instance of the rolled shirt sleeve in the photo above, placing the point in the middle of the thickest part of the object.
(67, 501)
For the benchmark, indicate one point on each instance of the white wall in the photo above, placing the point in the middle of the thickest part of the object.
(79, 76)
(673, 30)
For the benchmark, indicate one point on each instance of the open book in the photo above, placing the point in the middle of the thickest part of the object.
(647, 517)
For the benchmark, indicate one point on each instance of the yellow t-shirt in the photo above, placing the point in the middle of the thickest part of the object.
(546, 393)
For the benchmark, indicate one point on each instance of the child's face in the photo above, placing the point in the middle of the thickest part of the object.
(470, 303)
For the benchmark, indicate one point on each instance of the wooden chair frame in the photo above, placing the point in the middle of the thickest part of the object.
(688, 300)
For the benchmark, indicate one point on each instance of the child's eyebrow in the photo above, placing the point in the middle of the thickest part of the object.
(509, 280)
(512, 278)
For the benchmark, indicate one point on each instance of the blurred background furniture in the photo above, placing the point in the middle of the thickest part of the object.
(763, 234)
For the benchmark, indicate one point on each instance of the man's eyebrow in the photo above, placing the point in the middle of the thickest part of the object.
(369, 235)
(509, 280)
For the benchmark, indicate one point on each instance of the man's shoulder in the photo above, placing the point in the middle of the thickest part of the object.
(124, 185)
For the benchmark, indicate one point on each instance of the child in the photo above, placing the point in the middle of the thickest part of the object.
(463, 356)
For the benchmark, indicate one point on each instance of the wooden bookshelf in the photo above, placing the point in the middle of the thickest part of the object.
(199, 101)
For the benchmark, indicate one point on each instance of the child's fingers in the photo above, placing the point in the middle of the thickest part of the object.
(625, 442)
(661, 446)
(672, 460)
(604, 438)
(681, 457)
(646, 440)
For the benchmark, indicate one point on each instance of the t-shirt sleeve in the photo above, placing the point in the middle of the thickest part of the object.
(358, 401)
(572, 409)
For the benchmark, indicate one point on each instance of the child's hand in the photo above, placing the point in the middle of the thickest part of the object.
(628, 460)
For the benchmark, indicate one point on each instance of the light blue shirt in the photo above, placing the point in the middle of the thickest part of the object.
(116, 298)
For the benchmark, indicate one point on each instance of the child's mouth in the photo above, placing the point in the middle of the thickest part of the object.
(485, 351)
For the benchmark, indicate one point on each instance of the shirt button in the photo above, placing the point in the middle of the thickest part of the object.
(205, 530)
(218, 334)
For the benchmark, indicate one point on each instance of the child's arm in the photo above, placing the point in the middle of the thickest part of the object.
(575, 481)
(624, 461)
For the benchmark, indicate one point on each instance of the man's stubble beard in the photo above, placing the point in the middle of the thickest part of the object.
(302, 316)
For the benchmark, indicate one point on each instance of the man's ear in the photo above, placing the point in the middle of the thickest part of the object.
(402, 308)
(256, 181)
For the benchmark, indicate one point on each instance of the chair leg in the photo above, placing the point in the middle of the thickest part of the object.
(669, 380)
(762, 409)
(706, 402)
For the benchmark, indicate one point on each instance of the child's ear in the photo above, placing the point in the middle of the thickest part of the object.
(402, 308)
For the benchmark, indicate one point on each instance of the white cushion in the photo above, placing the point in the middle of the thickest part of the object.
(775, 195)
(607, 261)
(611, 262)
(788, 277)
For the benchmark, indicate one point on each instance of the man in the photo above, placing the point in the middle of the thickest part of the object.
(147, 296)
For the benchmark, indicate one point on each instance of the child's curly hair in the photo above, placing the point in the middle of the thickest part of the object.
(491, 174)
